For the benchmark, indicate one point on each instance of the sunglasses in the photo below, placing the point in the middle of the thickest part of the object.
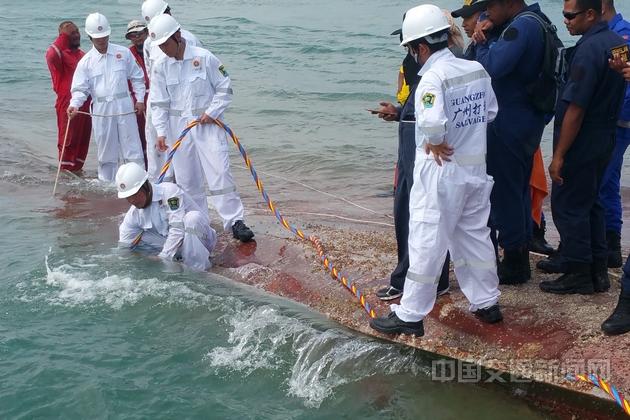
(573, 15)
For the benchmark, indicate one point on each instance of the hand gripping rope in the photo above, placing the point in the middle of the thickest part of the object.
(341, 277)
(606, 387)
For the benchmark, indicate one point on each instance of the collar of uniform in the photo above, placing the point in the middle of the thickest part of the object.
(157, 192)
(433, 58)
(110, 50)
(598, 27)
(188, 53)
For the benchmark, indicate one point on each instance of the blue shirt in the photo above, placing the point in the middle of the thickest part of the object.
(593, 86)
(514, 61)
(622, 27)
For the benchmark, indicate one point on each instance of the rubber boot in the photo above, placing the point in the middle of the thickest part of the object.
(538, 242)
(619, 321)
(614, 249)
(577, 281)
(599, 274)
(514, 269)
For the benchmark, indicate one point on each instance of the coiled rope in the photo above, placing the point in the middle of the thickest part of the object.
(334, 272)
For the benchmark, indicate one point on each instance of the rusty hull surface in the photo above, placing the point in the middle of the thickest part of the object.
(539, 331)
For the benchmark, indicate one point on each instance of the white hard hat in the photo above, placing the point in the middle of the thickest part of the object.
(129, 179)
(162, 28)
(97, 26)
(153, 8)
(422, 21)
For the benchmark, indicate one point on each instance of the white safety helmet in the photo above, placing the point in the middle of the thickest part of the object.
(153, 8)
(129, 179)
(162, 28)
(97, 26)
(423, 21)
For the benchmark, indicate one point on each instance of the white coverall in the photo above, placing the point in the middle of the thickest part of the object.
(155, 158)
(172, 223)
(104, 77)
(449, 205)
(182, 91)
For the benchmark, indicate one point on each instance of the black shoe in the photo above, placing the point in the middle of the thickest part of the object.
(489, 315)
(614, 249)
(538, 243)
(578, 281)
(241, 232)
(388, 293)
(553, 264)
(619, 321)
(599, 274)
(514, 269)
(394, 325)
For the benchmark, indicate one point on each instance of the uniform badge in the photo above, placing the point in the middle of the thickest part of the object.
(196, 63)
(428, 100)
(118, 56)
(173, 203)
(620, 52)
(223, 70)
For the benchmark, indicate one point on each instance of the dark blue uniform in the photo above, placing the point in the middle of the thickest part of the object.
(610, 190)
(406, 159)
(514, 61)
(594, 87)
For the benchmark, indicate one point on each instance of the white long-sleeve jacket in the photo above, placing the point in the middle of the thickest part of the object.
(105, 76)
(188, 88)
(161, 223)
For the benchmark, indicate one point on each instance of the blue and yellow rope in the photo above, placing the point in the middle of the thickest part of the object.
(606, 387)
(341, 277)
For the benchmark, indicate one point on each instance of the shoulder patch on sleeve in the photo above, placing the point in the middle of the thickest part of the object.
(428, 100)
(223, 71)
(510, 34)
(173, 203)
(621, 51)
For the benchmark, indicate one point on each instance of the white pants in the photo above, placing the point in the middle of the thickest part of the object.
(449, 208)
(204, 154)
(155, 158)
(117, 139)
(199, 241)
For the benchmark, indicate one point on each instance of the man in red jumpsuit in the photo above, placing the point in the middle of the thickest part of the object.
(137, 33)
(62, 58)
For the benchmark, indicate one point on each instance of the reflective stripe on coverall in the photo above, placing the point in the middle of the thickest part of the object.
(180, 92)
(156, 159)
(172, 223)
(449, 205)
(104, 77)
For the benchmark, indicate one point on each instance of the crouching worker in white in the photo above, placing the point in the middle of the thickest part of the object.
(163, 217)
(450, 198)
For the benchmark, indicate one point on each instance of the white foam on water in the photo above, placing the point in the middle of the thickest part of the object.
(318, 361)
(73, 286)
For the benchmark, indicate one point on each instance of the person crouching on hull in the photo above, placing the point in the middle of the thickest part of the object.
(164, 217)
(103, 73)
(450, 198)
(192, 83)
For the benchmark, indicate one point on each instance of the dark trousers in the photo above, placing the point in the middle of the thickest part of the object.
(625, 280)
(578, 213)
(511, 211)
(401, 226)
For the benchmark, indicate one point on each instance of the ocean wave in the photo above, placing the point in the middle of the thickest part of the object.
(318, 362)
(71, 285)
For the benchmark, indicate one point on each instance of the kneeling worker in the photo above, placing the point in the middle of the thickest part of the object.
(450, 198)
(162, 216)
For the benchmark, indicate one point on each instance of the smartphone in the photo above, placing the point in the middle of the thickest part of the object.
(374, 111)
